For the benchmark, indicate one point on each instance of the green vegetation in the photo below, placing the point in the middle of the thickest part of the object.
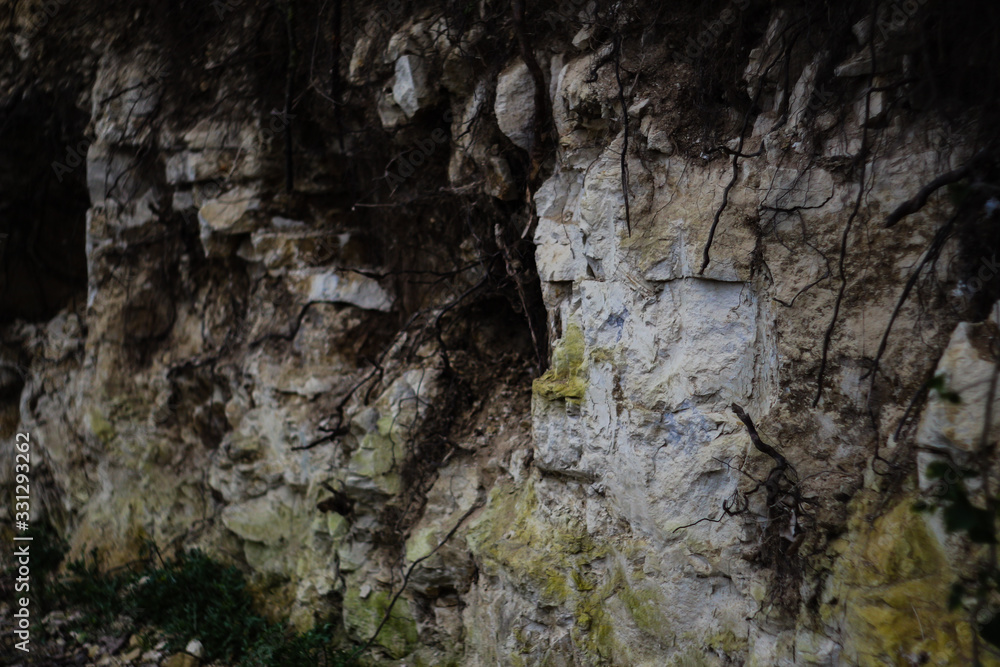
(962, 516)
(97, 593)
(939, 385)
(192, 596)
(968, 509)
(567, 377)
(47, 552)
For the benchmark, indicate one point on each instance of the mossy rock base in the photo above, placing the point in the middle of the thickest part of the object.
(891, 586)
(362, 617)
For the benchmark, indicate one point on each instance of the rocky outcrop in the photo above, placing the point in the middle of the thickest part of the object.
(338, 388)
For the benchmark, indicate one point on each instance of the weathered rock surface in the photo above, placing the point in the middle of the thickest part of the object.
(334, 388)
(515, 104)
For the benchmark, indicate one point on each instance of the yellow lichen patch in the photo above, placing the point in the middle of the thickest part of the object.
(422, 543)
(551, 558)
(566, 379)
(602, 355)
(726, 642)
(101, 427)
(511, 536)
(891, 585)
(130, 538)
(645, 606)
(623, 600)
(362, 616)
(379, 454)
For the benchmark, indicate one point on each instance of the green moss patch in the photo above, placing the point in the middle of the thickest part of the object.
(892, 583)
(566, 378)
(362, 617)
(553, 560)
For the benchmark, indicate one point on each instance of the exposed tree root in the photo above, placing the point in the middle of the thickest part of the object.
(737, 154)
(933, 251)
(406, 578)
(621, 102)
(861, 158)
(919, 200)
(786, 507)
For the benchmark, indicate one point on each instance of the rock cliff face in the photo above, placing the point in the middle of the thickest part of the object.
(447, 299)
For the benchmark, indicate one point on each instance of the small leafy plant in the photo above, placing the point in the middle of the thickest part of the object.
(951, 496)
(939, 385)
(961, 516)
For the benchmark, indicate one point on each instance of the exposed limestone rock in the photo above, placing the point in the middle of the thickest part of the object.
(126, 94)
(442, 563)
(389, 111)
(283, 250)
(514, 104)
(336, 386)
(231, 213)
(966, 370)
(399, 636)
(373, 465)
(889, 577)
(340, 287)
(412, 88)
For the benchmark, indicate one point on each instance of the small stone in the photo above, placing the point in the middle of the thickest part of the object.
(361, 59)
(228, 214)
(195, 648)
(411, 89)
(636, 109)
(582, 39)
